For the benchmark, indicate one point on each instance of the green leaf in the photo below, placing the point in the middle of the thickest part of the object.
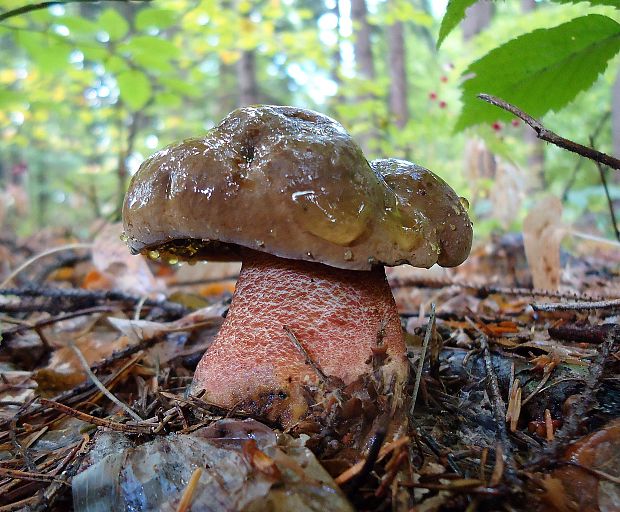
(181, 87)
(540, 71)
(10, 98)
(50, 55)
(167, 99)
(135, 88)
(455, 12)
(613, 3)
(151, 45)
(114, 24)
(78, 26)
(150, 17)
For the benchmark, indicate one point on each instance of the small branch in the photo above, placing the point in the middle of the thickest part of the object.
(577, 306)
(483, 290)
(291, 335)
(610, 203)
(113, 425)
(427, 338)
(574, 421)
(43, 5)
(54, 250)
(27, 475)
(102, 388)
(497, 405)
(553, 138)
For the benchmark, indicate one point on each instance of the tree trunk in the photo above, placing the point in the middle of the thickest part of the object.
(398, 74)
(363, 48)
(477, 17)
(336, 55)
(246, 74)
(366, 68)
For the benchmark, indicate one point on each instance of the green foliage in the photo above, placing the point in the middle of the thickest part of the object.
(540, 71)
(114, 24)
(135, 88)
(455, 12)
(612, 3)
(155, 18)
(86, 86)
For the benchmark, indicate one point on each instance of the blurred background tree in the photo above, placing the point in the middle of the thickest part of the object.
(89, 89)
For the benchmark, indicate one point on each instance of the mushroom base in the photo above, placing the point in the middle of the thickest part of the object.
(296, 331)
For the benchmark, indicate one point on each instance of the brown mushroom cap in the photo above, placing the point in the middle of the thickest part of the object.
(292, 183)
(421, 190)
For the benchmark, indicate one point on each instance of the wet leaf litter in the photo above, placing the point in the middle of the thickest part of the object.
(559, 439)
(500, 400)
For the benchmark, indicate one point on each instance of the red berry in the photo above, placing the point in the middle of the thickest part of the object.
(497, 126)
(515, 122)
(442, 104)
(444, 79)
(432, 96)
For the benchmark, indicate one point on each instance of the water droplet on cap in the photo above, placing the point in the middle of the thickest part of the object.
(348, 255)
(153, 255)
(464, 202)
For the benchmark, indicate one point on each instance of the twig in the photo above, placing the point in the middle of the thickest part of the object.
(102, 388)
(549, 136)
(308, 360)
(113, 425)
(577, 306)
(371, 459)
(596, 472)
(610, 203)
(497, 404)
(427, 338)
(573, 422)
(188, 494)
(24, 326)
(484, 290)
(356, 468)
(54, 250)
(83, 298)
(24, 9)
(593, 136)
(27, 475)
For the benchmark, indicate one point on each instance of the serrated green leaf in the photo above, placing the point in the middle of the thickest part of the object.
(540, 71)
(135, 88)
(455, 12)
(114, 24)
(151, 17)
(613, 3)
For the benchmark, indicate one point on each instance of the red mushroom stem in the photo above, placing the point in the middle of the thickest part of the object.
(290, 322)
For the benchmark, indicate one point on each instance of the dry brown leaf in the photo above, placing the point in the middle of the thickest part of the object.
(543, 231)
(138, 330)
(123, 270)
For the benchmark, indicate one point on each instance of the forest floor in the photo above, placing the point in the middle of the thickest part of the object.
(516, 407)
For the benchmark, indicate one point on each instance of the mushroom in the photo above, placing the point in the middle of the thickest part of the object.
(289, 193)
